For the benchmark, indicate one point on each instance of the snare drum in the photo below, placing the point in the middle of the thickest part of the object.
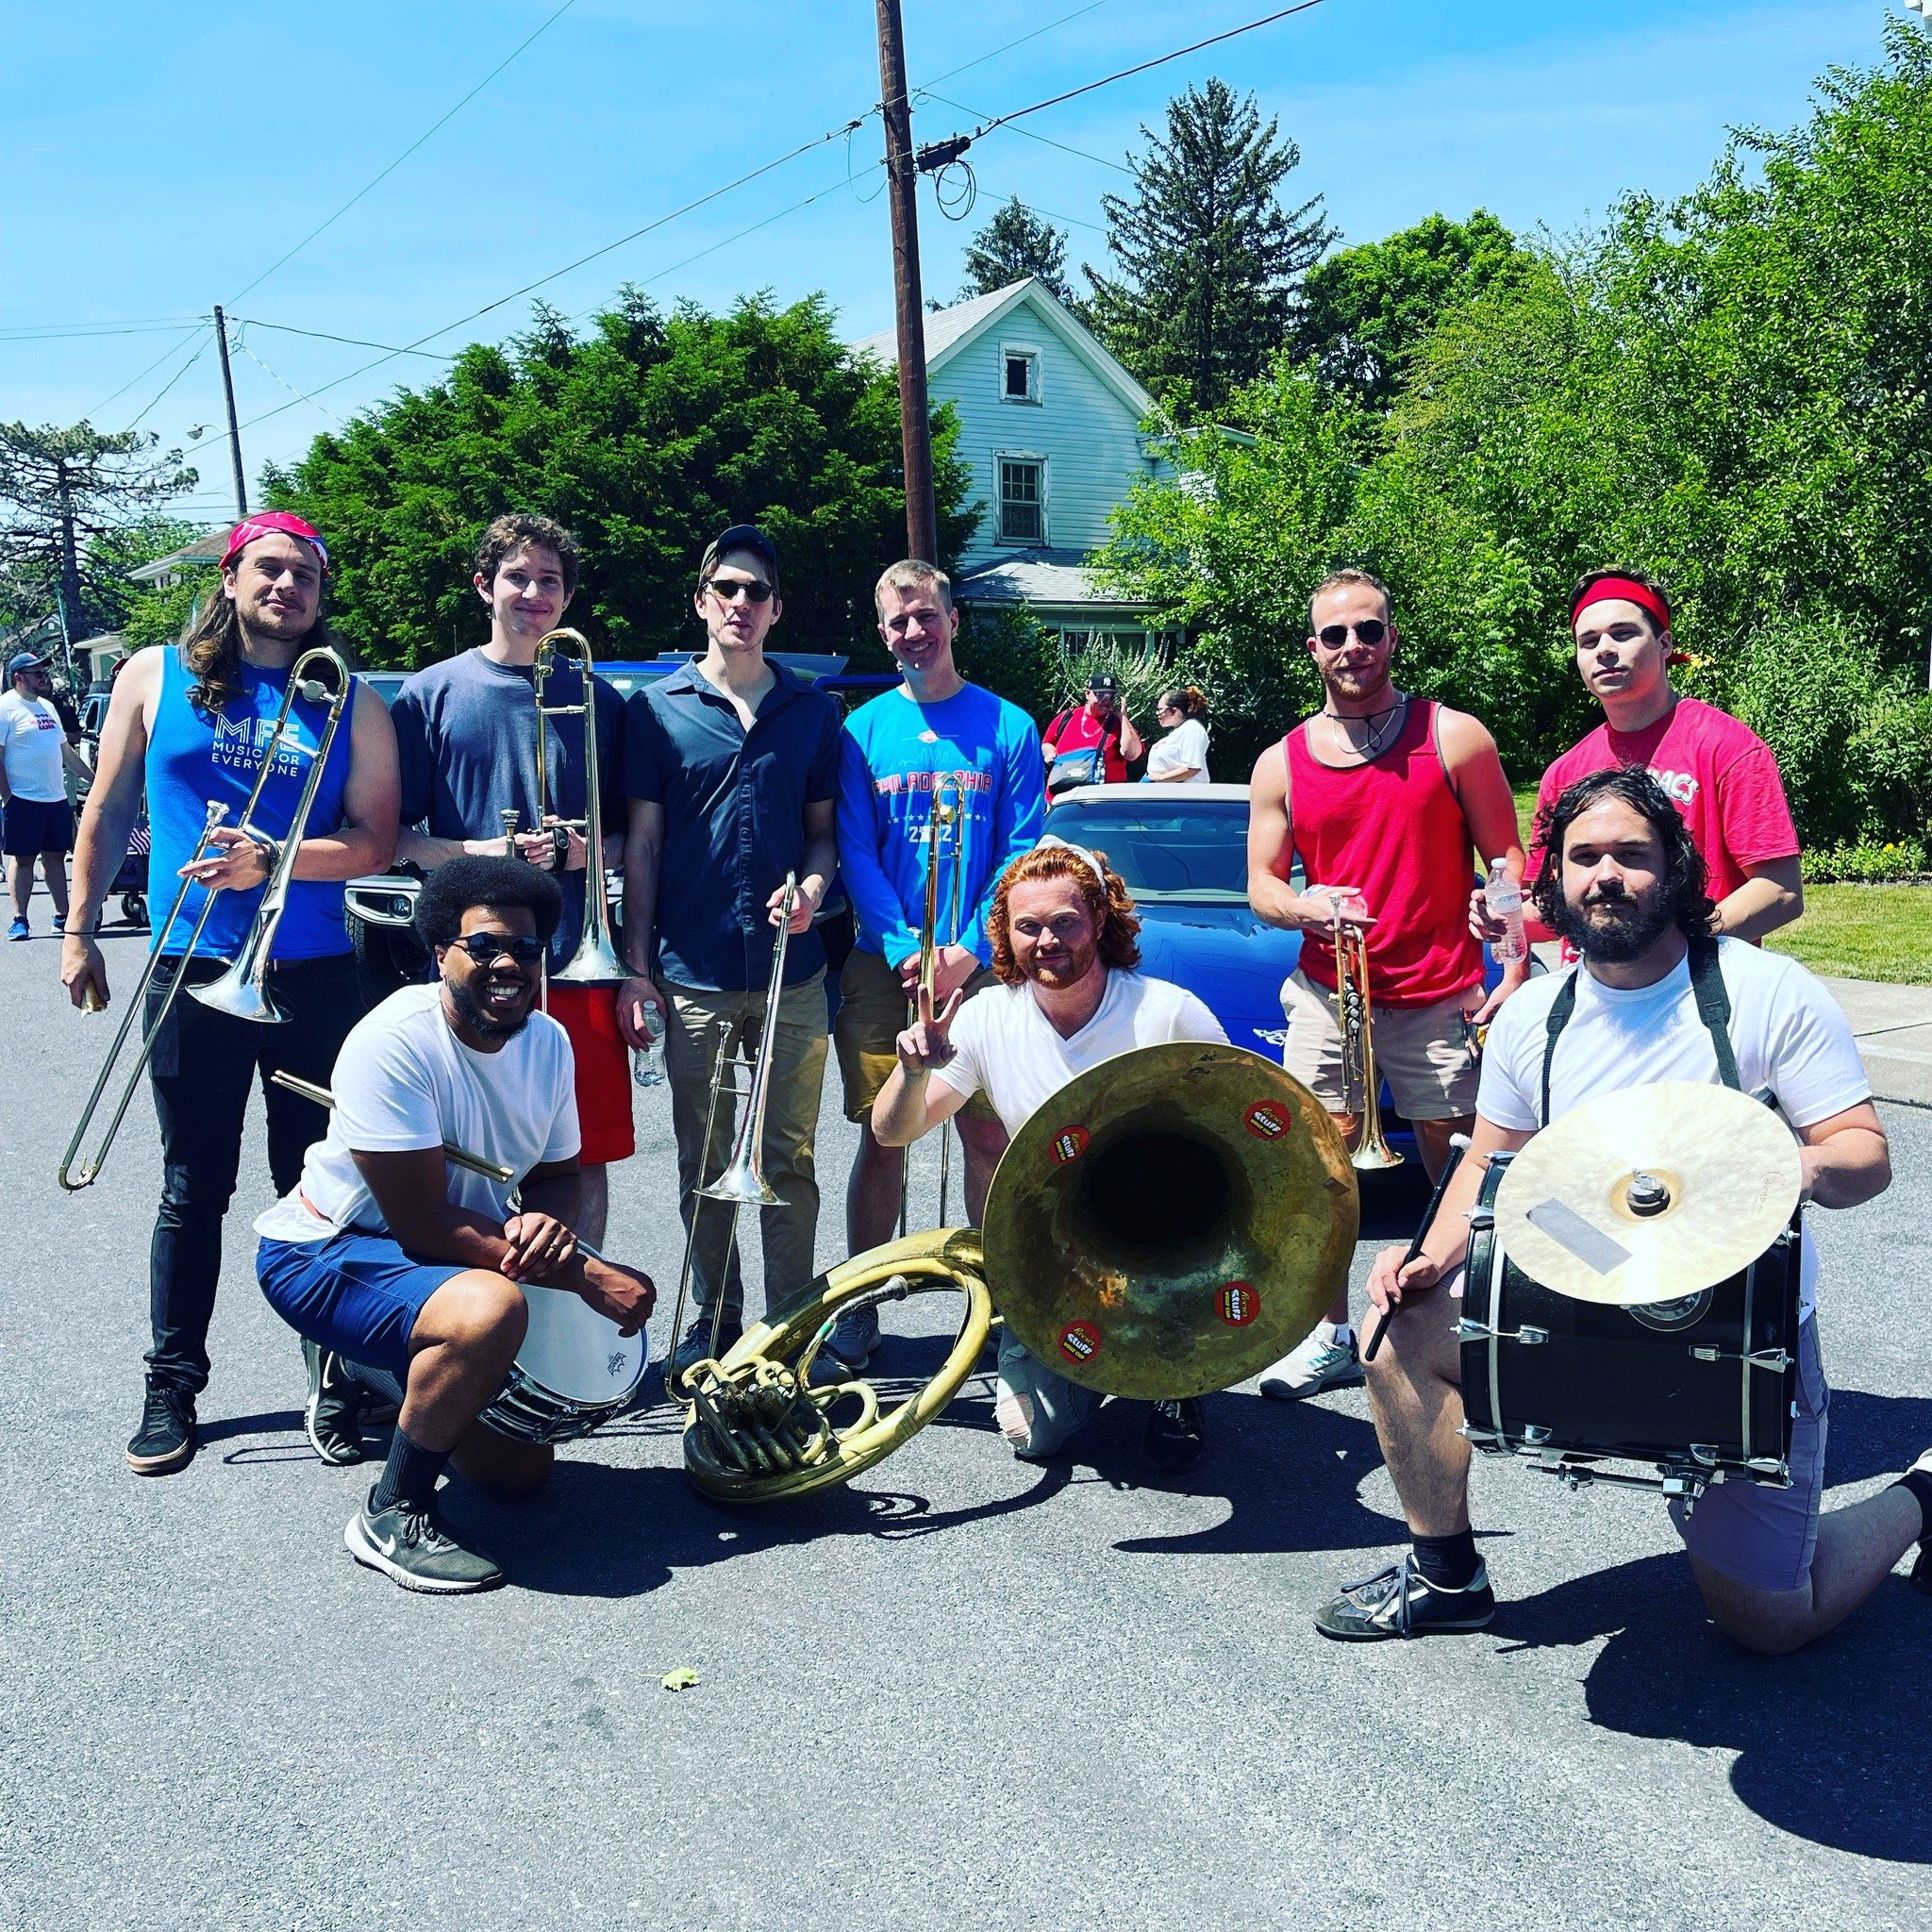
(572, 1374)
(1703, 1388)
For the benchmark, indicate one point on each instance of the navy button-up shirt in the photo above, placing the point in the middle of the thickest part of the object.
(734, 819)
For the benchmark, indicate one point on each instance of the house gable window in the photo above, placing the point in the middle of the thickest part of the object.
(1019, 374)
(1023, 499)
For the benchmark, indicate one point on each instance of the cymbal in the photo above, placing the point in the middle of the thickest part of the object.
(1171, 1221)
(1649, 1195)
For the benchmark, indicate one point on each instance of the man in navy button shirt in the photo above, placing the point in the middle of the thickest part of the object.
(732, 766)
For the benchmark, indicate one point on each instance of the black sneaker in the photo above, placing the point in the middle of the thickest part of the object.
(165, 1440)
(696, 1345)
(1922, 1570)
(409, 1545)
(1173, 1438)
(1400, 1602)
(333, 1411)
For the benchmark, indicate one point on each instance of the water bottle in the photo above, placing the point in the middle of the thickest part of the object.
(647, 1063)
(1502, 898)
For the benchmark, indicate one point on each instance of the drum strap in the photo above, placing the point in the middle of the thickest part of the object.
(1713, 1008)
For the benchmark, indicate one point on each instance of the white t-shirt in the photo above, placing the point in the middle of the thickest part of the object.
(1184, 749)
(403, 1081)
(1786, 1030)
(31, 736)
(1007, 1047)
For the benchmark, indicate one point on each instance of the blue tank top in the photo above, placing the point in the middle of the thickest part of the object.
(196, 758)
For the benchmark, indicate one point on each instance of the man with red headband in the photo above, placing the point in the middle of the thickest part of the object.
(193, 724)
(1721, 775)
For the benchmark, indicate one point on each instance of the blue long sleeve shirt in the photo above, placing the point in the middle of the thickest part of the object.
(895, 753)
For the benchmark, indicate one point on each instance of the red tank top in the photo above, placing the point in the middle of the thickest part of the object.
(1394, 828)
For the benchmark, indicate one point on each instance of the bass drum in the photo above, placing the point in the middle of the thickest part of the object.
(1703, 1385)
(574, 1373)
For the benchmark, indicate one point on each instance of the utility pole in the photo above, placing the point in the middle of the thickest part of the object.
(234, 431)
(915, 410)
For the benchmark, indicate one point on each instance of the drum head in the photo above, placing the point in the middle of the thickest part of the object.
(575, 1352)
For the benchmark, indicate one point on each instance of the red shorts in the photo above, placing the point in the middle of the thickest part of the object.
(589, 1015)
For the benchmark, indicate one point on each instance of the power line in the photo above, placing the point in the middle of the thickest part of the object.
(173, 349)
(83, 333)
(980, 59)
(406, 152)
(978, 113)
(199, 353)
(283, 329)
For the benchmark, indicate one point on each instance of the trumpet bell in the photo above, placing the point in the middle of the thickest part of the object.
(1171, 1221)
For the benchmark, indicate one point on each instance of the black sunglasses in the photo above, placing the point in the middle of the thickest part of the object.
(526, 948)
(1370, 631)
(726, 589)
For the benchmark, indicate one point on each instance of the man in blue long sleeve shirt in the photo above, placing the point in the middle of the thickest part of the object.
(933, 731)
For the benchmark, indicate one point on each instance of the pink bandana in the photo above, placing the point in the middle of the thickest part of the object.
(267, 523)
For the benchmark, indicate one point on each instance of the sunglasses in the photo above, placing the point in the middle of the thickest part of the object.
(1371, 631)
(526, 948)
(727, 589)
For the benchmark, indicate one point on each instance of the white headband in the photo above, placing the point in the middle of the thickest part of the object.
(1050, 843)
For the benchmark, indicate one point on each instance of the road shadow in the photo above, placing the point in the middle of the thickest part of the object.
(1830, 1743)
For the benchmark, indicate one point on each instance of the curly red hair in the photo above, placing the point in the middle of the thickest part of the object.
(1109, 907)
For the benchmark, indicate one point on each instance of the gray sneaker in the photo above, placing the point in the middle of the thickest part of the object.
(1309, 1367)
(410, 1548)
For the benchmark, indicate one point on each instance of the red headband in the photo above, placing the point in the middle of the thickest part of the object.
(267, 524)
(1622, 591)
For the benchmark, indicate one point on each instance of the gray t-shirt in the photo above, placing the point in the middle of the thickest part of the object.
(466, 736)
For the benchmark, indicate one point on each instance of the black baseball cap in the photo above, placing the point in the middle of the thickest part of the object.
(741, 537)
(1104, 680)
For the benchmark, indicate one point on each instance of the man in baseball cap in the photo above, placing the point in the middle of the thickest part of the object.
(33, 788)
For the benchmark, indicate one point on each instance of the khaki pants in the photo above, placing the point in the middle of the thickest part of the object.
(788, 1233)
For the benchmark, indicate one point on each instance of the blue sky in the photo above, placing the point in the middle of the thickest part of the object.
(161, 158)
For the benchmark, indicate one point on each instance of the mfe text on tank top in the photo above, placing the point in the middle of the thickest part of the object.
(1393, 827)
(196, 758)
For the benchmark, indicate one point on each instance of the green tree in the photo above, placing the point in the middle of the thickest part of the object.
(648, 436)
(63, 490)
(1014, 244)
(1210, 264)
(1366, 308)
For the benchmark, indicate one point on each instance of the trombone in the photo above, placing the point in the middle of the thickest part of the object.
(243, 984)
(945, 826)
(741, 1181)
(595, 961)
(1360, 1084)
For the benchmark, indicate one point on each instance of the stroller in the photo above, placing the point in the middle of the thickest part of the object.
(131, 880)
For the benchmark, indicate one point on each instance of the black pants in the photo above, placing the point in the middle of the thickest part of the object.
(203, 1065)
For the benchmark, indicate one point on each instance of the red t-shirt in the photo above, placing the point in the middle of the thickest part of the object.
(1080, 730)
(1722, 775)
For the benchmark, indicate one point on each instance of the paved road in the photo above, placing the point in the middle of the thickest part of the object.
(961, 1693)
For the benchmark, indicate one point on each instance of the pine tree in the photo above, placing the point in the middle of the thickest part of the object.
(1014, 244)
(1210, 262)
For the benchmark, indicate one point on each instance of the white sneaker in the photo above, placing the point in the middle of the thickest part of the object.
(1313, 1364)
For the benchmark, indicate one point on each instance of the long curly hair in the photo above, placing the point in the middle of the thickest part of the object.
(1686, 877)
(1115, 921)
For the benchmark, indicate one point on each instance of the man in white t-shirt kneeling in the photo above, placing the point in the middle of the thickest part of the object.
(400, 1269)
(1623, 882)
(1065, 943)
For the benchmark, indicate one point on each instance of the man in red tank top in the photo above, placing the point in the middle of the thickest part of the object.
(1721, 775)
(1384, 801)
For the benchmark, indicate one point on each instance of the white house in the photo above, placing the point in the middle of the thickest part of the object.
(1052, 428)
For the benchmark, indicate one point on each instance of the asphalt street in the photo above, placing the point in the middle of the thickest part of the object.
(961, 1693)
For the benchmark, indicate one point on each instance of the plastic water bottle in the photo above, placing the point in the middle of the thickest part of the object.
(647, 1063)
(1502, 898)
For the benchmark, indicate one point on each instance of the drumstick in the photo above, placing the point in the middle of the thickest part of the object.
(1458, 1146)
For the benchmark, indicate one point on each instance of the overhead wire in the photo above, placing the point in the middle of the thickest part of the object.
(199, 353)
(141, 375)
(980, 59)
(283, 329)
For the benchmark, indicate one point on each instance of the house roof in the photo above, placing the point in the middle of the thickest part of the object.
(948, 331)
(1037, 577)
(202, 550)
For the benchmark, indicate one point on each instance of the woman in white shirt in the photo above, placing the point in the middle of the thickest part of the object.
(1180, 756)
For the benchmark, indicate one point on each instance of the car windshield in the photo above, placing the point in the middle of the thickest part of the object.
(1194, 850)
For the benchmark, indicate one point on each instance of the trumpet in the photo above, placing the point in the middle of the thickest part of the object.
(741, 1181)
(944, 826)
(1360, 1085)
(595, 961)
(241, 990)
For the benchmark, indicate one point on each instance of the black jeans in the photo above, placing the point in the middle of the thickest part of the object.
(203, 1065)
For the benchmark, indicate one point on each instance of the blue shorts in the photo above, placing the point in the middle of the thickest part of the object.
(356, 1293)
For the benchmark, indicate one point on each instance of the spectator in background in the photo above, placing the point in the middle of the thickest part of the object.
(1179, 756)
(1092, 743)
(1720, 775)
(33, 788)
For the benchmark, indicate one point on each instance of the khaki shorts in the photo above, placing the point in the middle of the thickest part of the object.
(873, 1012)
(1421, 1051)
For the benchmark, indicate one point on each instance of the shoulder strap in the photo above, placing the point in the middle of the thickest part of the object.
(1561, 1009)
(1053, 730)
(1714, 1007)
